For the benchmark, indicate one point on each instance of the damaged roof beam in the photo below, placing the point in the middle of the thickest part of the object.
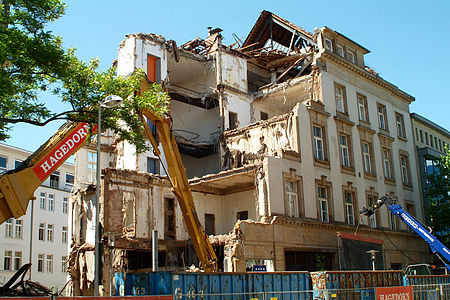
(292, 41)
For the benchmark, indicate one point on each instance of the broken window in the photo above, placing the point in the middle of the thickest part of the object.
(264, 116)
(323, 203)
(54, 180)
(153, 68)
(210, 224)
(339, 94)
(382, 118)
(233, 120)
(400, 125)
(362, 108)
(349, 208)
(92, 166)
(291, 197)
(169, 219)
(242, 215)
(318, 143)
(129, 212)
(152, 165)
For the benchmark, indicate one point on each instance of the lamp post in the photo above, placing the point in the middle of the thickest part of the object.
(108, 102)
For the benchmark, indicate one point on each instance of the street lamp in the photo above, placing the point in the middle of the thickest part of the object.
(108, 102)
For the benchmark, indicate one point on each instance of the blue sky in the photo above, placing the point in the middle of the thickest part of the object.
(409, 40)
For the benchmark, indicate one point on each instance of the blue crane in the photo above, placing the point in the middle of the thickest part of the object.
(442, 252)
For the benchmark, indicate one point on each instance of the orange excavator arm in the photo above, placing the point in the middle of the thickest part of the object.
(17, 186)
(181, 188)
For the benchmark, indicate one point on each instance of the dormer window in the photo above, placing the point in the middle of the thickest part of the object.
(351, 55)
(329, 45)
(340, 50)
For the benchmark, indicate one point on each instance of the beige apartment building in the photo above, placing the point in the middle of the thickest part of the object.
(285, 136)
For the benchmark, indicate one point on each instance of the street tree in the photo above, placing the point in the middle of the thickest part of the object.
(33, 60)
(438, 189)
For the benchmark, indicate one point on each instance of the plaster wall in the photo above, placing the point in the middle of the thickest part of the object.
(234, 71)
(198, 167)
(239, 104)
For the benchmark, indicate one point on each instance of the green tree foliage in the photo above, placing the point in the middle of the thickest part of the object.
(438, 189)
(33, 60)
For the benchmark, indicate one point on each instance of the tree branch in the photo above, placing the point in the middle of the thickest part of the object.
(37, 123)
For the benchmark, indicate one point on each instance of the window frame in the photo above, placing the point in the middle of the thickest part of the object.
(65, 205)
(50, 232)
(319, 140)
(361, 101)
(9, 228)
(405, 169)
(17, 260)
(51, 202)
(155, 167)
(387, 163)
(352, 203)
(338, 47)
(382, 117)
(18, 229)
(43, 200)
(41, 232)
(40, 263)
(4, 168)
(353, 53)
(400, 123)
(328, 46)
(340, 97)
(7, 260)
(374, 220)
(49, 264)
(64, 234)
(345, 151)
(92, 166)
(324, 214)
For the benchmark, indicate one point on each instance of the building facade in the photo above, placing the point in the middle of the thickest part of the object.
(285, 137)
(431, 141)
(42, 235)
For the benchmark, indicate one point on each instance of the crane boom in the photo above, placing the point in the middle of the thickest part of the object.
(436, 246)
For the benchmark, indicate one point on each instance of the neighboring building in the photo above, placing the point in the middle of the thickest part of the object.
(285, 138)
(41, 236)
(431, 140)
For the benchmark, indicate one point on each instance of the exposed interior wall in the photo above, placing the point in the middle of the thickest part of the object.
(234, 71)
(198, 167)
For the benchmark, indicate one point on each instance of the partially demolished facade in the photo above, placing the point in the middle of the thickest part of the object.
(286, 136)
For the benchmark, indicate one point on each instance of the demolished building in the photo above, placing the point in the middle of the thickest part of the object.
(285, 136)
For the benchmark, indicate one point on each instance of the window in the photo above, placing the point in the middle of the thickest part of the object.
(349, 210)
(440, 145)
(421, 136)
(400, 126)
(367, 157)
(64, 264)
(65, 205)
(394, 220)
(3, 163)
(17, 163)
(426, 138)
(70, 180)
(382, 119)
(210, 226)
(7, 260)
(404, 165)
(323, 203)
(264, 116)
(50, 232)
(42, 232)
(373, 218)
(291, 197)
(51, 202)
(18, 231)
(152, 165)
(40, 264)
(435, 143)
(49, 267)
(8, 228)
(54, 180)
(351, 55)
(17, 260)
(345, 153)
(153, 68)
(387, 163)
(64, 235)
(318, 143)
(329, 45)
(233, 120)
(417, 135)
(43, 201)
(340, 50)
(92, 166)
(363, 112)
(242, 215)
(339, 95)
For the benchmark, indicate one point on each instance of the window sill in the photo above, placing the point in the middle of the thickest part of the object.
(348, 170)
(384, 131)
(408, 187)
(364, 124)
(371, 176)
(389, 181)
(402, 138)
(322, 164)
